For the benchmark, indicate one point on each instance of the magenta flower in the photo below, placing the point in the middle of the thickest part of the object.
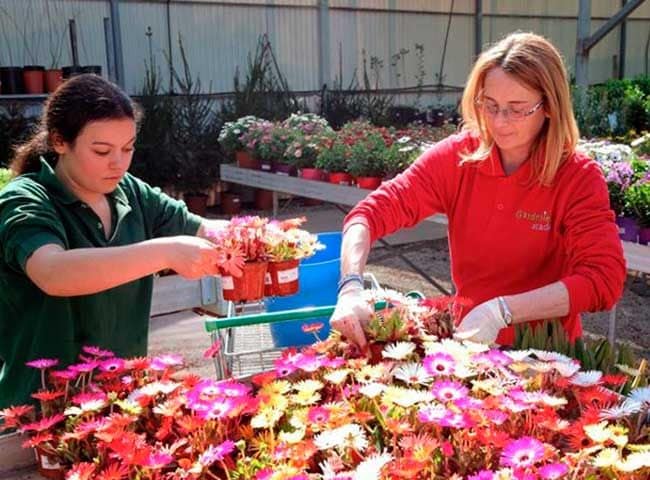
(66, 375)
(456, 420)
(482, 475)
(432, 413)
(43, 424)
(216, 453)
(158, 460)
(318, 415)
(97, 352)
(264, 474)
(522, 453)
(84, 367)
(203, 392)
(82, 398)
(553, 471)
(43, 363)
(494, 357)
(284, 367)
(439, 364)
(232, 388)
(163, 362)
(220, 408)
(112, 365)
(448, 391)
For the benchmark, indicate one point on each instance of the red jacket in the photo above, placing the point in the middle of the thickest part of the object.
(508, 234)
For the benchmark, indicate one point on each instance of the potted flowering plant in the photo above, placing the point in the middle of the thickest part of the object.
(268, 142)
(399, 156)
(366, 161)
(333, 158)
(637, 197)
(287, 245)
(307, 123)
(230, 139)
(244, 237)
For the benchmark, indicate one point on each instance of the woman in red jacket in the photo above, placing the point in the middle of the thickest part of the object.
(531, 233)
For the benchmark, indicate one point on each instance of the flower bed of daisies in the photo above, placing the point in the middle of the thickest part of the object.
(416, 406)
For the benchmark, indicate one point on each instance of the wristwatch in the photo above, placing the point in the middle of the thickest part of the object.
(505, 310)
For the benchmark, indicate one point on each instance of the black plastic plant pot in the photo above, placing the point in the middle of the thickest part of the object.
(72, 70)
(12, 80)
(96, 69)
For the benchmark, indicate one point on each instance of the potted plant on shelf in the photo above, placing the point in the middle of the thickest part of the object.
(638, 199)
(399, 156)
(287, 245)
(366, 161)
(230, 139)
(333, 158)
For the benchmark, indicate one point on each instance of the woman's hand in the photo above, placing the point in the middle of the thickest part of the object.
(482, 324)
(191, 257)
(351, 315)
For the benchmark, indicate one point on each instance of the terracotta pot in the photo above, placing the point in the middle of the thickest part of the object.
(34, 79)
(48, 466)
(644, 236)
(248, 287)
(628, 228)
(230, 203)
(196, 203)
(281, 278)
(53, 78)
(263, 199)
(12, 80)
(369, 183)
(246, 160)
(340, 178)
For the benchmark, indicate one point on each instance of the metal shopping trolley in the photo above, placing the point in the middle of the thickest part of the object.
(246, 346)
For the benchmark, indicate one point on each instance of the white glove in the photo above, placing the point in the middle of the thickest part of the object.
(482, 324)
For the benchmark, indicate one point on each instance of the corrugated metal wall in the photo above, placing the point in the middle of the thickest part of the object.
(218, 35)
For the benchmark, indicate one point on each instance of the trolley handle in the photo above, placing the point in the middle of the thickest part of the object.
(273, 317)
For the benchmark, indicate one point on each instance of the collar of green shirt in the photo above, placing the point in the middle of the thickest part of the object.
(47, 177)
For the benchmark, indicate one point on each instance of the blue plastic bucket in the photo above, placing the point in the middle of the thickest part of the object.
(318, 277)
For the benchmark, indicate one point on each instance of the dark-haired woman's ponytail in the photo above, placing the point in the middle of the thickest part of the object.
(27, 157)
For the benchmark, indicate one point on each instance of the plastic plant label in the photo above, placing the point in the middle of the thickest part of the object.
(227, 283)
(286, 276)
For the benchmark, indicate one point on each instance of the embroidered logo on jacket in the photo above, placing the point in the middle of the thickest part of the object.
(540, 221)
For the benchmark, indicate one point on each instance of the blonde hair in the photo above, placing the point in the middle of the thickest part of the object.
(536, 63)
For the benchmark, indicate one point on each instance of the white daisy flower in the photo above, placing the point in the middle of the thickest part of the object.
(412, 373)
(546, 356)
(337, 377)
(370, 468)
(566, 369)
(641, 395)
(308, 386)
(347, 436)
(587, 379)
(371, 390)
(625, 409)
(398, 350)
(518, 355)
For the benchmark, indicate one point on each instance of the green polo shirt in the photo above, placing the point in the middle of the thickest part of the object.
(35, 210)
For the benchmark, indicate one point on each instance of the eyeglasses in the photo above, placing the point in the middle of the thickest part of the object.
(492, 110)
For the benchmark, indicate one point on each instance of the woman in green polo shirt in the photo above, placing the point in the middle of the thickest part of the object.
(80, 237)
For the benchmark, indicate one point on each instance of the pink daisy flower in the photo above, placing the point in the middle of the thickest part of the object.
(232, 388)
(214, 349)
(432, 413)
(112, 365)
(284, 367)
(448, 391)
(482, 475)
(97, 352)
(84, 367)
(202, 392)
(494, 357)
(163, 362)
(82, 398)
(43, 424)
(522, 453)
(159, 459)
(264, 474)
(43, 363)
(66, 375)
(456, 420)
(318, 415)
(439, 364)
(220, 408)
(216, 453)
(336, 362)
(553, 471)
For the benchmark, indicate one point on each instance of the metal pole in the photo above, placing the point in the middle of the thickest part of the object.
(582, 53)
(478, 27)
(117, 42)
(323, 43)
(622, 46)
(73, 41)
(110, 49)
(169, 48)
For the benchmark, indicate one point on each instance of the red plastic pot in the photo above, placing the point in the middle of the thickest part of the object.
(281, 279)
(34, 79)
(263, 199)
(48, 466)
(312, 174)
(369, 183)
(53, 78)
(196, 203)
(230, 203)
(340, 178)
(248, 287)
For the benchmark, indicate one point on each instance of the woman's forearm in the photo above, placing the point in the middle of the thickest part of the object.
(85, 271)
(551, 301)
(355, 249)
